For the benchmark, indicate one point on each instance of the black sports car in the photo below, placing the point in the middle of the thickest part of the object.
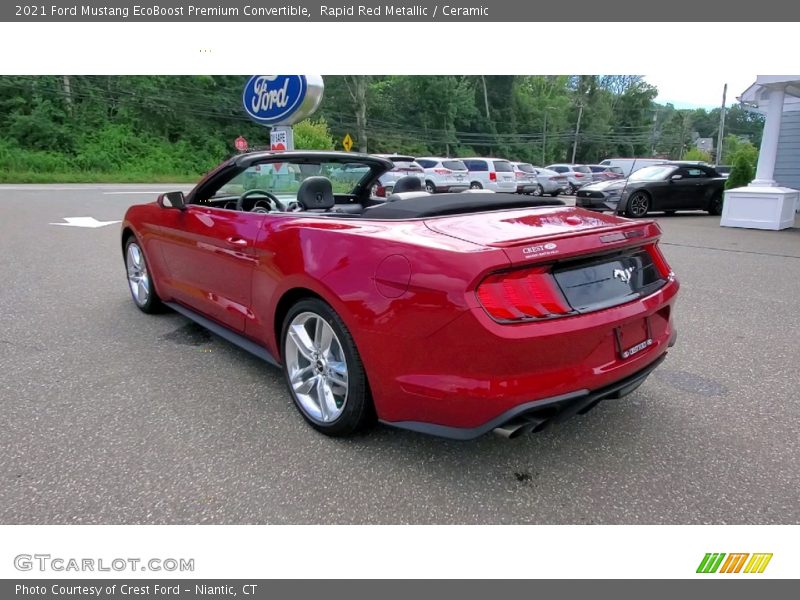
(668, 187)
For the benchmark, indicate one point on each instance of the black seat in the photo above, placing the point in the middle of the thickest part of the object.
(316, 193)
(409, 183)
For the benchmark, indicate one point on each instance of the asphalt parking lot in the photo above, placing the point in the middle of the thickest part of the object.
(109, 416)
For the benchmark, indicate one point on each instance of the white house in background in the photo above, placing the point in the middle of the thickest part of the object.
(705, 144)
(772, 199)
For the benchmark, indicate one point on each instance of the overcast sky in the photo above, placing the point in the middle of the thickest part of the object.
(702, 89)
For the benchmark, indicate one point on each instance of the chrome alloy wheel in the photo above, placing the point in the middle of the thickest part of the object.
(138, 278)
(316, 366)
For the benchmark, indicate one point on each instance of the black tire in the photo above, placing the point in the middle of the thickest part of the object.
(715, 205)
(475, 185)
(572, 189)
(153, 303)
(358, 411)
(538, 190)
(429, 187)
(638, 205)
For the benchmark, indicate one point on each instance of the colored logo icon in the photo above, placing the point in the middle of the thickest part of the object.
(272, 99)
(741, 562)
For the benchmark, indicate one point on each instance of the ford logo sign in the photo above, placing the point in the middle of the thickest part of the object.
(281, 99)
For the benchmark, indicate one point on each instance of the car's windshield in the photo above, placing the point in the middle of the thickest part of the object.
(652, 173)
(581, 169)
(284, 179)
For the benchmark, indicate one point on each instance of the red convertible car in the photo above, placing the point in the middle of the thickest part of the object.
(454, 314)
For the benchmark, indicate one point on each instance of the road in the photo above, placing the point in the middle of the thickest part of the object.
(111, 416)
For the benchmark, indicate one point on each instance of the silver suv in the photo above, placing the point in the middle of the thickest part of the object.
(496, 174)
(444, 174)
(403, 166)
(577, 175)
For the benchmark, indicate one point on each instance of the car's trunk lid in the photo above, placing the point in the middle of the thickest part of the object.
(560, 231)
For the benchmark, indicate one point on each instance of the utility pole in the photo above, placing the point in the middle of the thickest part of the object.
(653, 139)
(577, 132)
(544, 140)
(721, 136)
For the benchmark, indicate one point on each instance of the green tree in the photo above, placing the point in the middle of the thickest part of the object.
(313, 135)
(697, 154)
(743, 171)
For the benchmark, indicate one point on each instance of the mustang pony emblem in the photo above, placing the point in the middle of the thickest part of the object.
(624, 275)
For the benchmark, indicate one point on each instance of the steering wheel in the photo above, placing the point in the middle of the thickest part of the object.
(269, 196)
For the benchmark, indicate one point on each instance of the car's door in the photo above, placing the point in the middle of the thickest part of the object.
(209, 253)
(678, 193)
(699, 181)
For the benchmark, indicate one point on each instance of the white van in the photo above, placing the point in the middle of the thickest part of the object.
(629, 165)
(495, 174)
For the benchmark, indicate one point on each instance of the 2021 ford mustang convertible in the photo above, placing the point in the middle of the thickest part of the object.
(450, 314)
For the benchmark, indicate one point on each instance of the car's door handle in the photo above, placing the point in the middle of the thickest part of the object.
(236, 242)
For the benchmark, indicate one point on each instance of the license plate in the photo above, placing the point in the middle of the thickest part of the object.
(633, 338)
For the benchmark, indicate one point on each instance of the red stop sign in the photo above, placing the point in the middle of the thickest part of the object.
(241, 144)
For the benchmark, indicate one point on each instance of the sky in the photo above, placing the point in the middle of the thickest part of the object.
(699, 90)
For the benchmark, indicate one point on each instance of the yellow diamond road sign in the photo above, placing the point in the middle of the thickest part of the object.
(347, 142)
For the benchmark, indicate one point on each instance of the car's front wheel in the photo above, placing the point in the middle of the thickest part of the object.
(323, 369)
(638, 205)
(140, 279)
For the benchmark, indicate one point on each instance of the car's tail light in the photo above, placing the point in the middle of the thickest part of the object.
(659, 260)
(522, 295)
(442, 171)
(379, 190)
(520, 175)
(492, 176)
(578, 174)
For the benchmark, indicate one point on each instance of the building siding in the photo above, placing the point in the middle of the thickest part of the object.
(787, 163)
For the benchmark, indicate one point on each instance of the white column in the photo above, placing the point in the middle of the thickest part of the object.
(765, 172)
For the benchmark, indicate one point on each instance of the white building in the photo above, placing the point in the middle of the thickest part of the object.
(772, 199)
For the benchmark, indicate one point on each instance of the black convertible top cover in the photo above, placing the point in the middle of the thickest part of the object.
(453, 204)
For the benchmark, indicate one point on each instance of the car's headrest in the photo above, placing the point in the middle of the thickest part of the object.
(316, 193)
(409, 183)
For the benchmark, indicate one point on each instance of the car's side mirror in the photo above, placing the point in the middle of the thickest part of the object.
(172, 200)
(676, 177)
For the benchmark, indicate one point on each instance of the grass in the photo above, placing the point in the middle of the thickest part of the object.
(95, 177)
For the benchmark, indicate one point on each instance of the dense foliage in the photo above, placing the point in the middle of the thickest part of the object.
(83, 128)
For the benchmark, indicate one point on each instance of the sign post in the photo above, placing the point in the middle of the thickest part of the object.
(279, 101)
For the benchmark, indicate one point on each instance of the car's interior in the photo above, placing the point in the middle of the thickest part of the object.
(303, 189)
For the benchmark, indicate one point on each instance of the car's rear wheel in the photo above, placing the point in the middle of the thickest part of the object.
(715, 206)
(429, 187)
(475, 185)
(638, 205)
(572, 189)
(538, 190)
(140, 280)
(323, 369)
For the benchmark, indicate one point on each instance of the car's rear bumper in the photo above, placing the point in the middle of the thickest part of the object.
(475, 373)
(536, 415)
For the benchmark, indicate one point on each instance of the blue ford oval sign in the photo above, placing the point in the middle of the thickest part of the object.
(273, 99)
